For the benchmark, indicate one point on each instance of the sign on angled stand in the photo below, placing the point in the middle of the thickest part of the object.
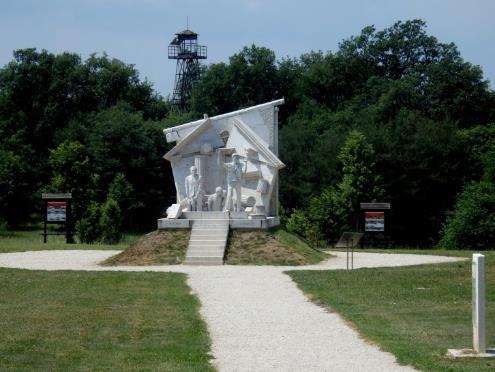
(349, 240)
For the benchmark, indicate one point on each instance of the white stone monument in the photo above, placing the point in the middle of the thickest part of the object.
(479, 320)
(227, 163)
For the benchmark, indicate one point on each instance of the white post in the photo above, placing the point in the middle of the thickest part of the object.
(479, 341)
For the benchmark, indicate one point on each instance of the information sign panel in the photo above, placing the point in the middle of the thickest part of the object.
(56, 211)
(374, 221)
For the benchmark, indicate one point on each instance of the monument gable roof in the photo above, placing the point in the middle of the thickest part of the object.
(175, 133)
(189, 139)
(260, 146)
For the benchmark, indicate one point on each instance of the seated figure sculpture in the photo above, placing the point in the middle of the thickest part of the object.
(215, 201)
(194, 190)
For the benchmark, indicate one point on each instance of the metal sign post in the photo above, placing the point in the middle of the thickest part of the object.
(349, 240)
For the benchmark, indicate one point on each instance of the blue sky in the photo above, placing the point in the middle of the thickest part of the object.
(138, 31)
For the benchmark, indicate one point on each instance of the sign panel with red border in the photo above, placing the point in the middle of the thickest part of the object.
(374, 221)
(56, 211)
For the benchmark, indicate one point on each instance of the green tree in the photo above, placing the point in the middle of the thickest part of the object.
(42, 95)
(471, 224)
(121, 141)
(13, 179)
(71, 172)
(70, 162)
(360, 182)
(334, 210)
(250, 78)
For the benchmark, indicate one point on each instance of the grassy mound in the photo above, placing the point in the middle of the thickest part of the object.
(156, 248)
(274, 247)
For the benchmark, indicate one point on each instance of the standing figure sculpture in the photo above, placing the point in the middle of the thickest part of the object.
(194, 190)
(234, 183)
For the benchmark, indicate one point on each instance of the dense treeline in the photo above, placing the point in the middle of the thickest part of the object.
(392, 115)
(72, 126)
(420, 106)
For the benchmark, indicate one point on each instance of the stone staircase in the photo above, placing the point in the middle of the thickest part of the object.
(207, 242)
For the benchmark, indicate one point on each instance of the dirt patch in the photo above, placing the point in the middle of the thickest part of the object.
(156, 248)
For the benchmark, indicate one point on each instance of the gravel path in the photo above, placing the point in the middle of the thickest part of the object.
(257, 318)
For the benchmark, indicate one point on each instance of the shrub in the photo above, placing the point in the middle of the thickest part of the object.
(472, 224)
(328, 214)
(120, 190)
(111, 222)
(4, 227)
(299, 223)
(88, 228)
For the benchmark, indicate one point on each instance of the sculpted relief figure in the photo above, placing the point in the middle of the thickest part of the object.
(194, 190)
(234, 183)
(215, 201)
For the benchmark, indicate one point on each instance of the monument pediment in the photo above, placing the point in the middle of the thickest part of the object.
(192, 143)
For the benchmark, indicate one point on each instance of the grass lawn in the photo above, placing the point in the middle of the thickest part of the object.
(416, 312)
(31, 240)
(65, 321)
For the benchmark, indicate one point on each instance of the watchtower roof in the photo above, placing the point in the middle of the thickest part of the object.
(186, 33)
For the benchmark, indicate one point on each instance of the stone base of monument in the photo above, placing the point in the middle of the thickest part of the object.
(209, 232)
(237, 220)
(470, 353)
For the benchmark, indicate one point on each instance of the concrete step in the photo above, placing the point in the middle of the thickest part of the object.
(207, 243)
(206, 248)
(204, 263)
(205, 252)
(209, 238)
(205, 258)
(202, 229)
(209, 234)
(199, 245)
(205, 237)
